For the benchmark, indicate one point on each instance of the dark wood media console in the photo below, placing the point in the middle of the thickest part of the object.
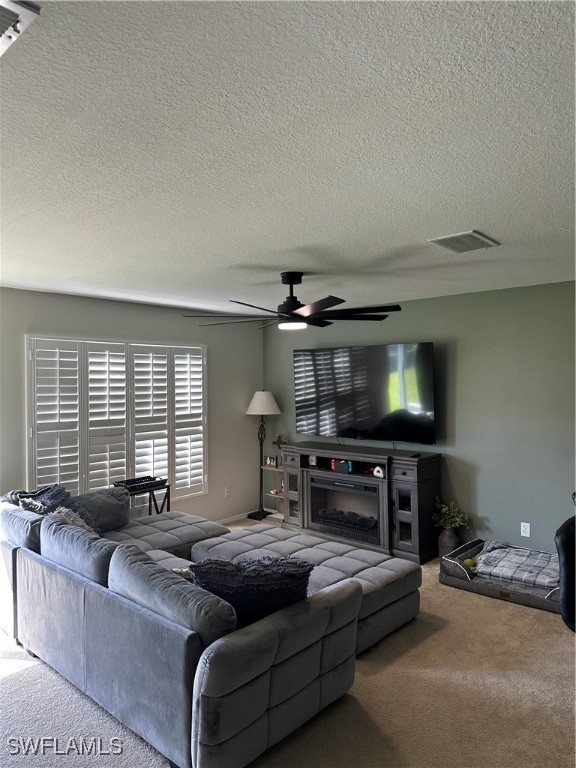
(381, 499)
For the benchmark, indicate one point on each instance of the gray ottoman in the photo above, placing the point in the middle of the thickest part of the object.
(174, 532)
(389, 584)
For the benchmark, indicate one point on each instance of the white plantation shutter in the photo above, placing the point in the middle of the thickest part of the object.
(54, 397)
(150, 383)
(107, 418)
(189, 420)
(102, 411)
(57, 460)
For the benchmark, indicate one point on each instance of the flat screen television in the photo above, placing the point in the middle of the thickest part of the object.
(379, 392)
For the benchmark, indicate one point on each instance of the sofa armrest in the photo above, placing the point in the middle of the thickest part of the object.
(256, 685)
(8, 607)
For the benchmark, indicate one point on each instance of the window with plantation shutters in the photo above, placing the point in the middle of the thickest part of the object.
(104, 411)
(54, 398)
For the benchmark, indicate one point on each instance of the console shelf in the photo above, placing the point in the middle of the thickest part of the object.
(381, 498)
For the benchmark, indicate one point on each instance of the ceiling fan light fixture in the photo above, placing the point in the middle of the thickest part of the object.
(288, 324)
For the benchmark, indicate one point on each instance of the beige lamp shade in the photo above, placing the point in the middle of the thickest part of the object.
(263, 404)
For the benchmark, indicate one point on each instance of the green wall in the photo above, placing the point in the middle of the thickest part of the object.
(504, 399)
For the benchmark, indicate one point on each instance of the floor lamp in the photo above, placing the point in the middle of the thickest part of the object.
(262, 404)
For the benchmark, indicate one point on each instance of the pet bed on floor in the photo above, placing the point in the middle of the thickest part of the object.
(516, 574)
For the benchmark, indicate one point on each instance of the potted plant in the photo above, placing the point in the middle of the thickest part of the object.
(448, 517)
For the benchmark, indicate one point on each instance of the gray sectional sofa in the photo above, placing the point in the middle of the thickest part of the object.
(166, 657)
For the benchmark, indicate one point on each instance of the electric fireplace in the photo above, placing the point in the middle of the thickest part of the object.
(353, 508)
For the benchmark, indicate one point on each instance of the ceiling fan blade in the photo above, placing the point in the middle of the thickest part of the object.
(362, 310)
(317, 322)
(218, 316)
(318, 306)
(337, 316)
(232, 322)
(273, 311)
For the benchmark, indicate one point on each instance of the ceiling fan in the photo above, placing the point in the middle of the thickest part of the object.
(293, 315)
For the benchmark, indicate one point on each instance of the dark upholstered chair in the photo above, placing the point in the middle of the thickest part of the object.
(564, 540)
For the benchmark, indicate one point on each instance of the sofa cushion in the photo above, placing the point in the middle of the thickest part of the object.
(135, 576)
(255, 588)
(20, 526)
(108, 507)
(174, 532)
(76, 549)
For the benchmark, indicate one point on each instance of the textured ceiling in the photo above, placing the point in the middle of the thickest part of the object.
(185, 153)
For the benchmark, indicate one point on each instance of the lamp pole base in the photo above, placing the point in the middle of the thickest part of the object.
(258, 514)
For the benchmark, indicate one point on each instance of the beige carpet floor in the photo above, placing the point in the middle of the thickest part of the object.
(472, 682)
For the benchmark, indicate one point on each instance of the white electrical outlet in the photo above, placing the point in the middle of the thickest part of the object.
(226, 493)
(525, 529)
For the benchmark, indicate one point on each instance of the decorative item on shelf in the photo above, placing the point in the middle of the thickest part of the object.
(279, 442)
(262, 404)
(448, 517)
(343, 466)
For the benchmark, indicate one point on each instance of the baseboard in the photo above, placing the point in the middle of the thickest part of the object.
(273, 516)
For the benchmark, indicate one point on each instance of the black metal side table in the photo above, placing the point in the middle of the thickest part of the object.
(146, 485)
(165, 503)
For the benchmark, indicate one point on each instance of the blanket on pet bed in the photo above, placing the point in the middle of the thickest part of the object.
(517, 564)
(458, 569)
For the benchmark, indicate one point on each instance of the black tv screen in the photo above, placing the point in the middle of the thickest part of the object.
(380, 392)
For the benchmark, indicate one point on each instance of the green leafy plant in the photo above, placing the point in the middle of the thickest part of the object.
(449, 515)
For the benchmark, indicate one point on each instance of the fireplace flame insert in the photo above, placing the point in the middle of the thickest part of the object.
(346, 507)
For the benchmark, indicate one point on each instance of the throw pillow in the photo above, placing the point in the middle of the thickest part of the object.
(108, 507)
(84, 515)
(73, 518)
(256, 588)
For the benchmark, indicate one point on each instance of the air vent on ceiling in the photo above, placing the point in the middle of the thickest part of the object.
(15, 17)
(465, 241)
